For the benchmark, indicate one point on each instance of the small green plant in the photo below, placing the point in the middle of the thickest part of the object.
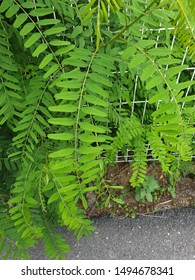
(108, 193)
(171, 189)
(147, 190)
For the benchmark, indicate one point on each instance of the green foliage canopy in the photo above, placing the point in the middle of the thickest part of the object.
(65, 67)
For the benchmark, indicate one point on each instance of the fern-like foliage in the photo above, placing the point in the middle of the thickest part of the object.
(140, 162)
(11, 242)
(10, 89)
(68, 74)
(185, 24)
(129, 129)
(83, 95)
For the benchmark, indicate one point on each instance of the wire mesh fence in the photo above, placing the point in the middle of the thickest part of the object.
(158, 34)
(143, 103)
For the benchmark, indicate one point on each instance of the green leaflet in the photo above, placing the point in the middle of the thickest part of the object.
(94, 111)
(12, 11)
(77, 30)
(137, 60)
(62, 121)
(17, 190)
(9, 67)
(12, 86)
(53, 197)
(51, 71)
(154, 82)
(84, 150)
(67, 95)
(31, 5)
(45, 22)
(40, 12)
(21, 127)
(126, 54)
(48, 187)
(169, 127)
(27, 28)
(69, 84)
(89, 138)
(21, 18)
(99, 79)
(64, 50)
(90, 127)
(31, 201)
(101, 69)
(59, 43)
(159, 51)
(54, 30)
(10, 78)
(63, 164)
(170, 117)
(33, 38)
(89, 173)
(96, 100)
(97, 89)
(16, 199)
(5, 5)
(46, 60)
(16, 216)
(168, 61)
(87, 8)
(65, 179)
(74, 62)
(4, 50)
(147, 72)
(145, 43)
(41, 48)
(39, 130)
(175, 70)
(90, 165)
(161, 95)
(68, 188)
(165, 108)
(34, 137)
(188, 98)
(183, 85)
(63, 108)
(71, 196)
(74, 74)
(61, 153)
(61, 136)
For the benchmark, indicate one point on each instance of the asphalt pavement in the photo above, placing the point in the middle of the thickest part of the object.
(167, 235)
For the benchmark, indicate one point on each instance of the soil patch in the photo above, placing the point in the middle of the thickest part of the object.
(120, 175)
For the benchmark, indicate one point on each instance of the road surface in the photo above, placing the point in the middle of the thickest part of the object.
(167, 235)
